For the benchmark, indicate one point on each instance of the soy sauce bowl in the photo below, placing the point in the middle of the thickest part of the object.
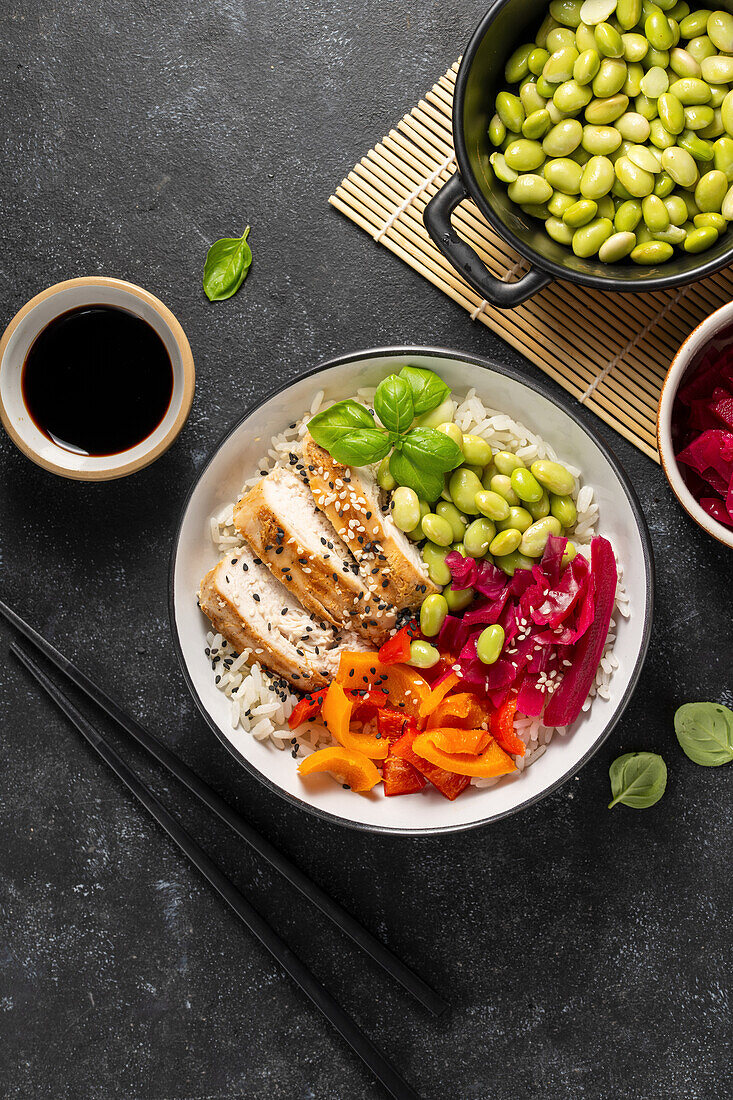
(23, 330)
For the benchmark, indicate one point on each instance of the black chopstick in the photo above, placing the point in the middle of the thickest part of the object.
(206, 794)
(380, 1066)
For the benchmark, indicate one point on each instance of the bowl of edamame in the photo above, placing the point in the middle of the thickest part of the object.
(596, 137)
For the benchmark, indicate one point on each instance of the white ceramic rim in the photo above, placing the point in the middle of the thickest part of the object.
(692, 345)
(33, 318)
(644, 613)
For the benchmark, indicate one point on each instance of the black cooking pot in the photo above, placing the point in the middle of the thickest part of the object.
(506, 25)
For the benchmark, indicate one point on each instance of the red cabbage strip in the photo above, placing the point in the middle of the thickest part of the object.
(567, 701)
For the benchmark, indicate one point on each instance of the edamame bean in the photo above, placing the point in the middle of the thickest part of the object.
(586, 66)
(628, 13)
(510, 110)
(696, 23)
(571, 96)
(676, 209)
(453, 432)
(563, 138)
(652, 252)
(502, 171)
(437, 529)
(654, 83)
(717, 221)
(608, 40)
(530, 188)
(555, 477)
(698, 118)
(476, 450)
(559, 231)
(437, 416)
(519, 518)
(673, 234)
(506, 462)
(491, 505)
(632, 85)
(616, 247)
(478, 537)
(517, 66)
(671, 112)
(531, 101)
(690, 91)
(432, 615)
(497, 131)
(422, 654)
(700, 239)
(588, 239)
(405, 508)
(559, 203)
(646, 107)
(643, 158)
(601, 140)
(536, 124)
(490, 644)
(633, 127)
(537, 60)
(664, 185)
(717, 69)
(597, 179)
(720, 30)
(569, 553)
(580, 213)
(524, 483)
(711, 190)
(463, 486)
(434, 557)
(658, 31)
(523, 155)
(627, 216)
(635, 47)
(680, 166)
(416, 534)
(534, 539)
(610, 78)
(458, 599)
(505, 542)
(538, 509)
(384, 477)
(559, 65)
(637, 181)
(501, 484)
(600, 112)
(509, 563)
(458, 522)
(655, 213)
(701, 47)
(564, 509)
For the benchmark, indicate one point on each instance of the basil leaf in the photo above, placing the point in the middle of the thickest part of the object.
(393, 404)
(226, 267)
(427, 484)
(362, 447)
(428, 390)
(432, 450)
(331, 425)
(705, 733)
(638, 779)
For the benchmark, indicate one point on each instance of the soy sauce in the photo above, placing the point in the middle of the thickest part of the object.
(97, 380)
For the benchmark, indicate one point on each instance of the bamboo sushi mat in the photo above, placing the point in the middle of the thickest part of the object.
(611, 351)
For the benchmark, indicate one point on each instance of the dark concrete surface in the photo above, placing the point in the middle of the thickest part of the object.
(585, 953)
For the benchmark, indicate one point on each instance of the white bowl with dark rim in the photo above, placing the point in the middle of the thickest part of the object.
(234, 460)
(684, 364)
(20, 335)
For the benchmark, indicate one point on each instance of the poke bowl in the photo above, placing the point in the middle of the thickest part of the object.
(272, 652)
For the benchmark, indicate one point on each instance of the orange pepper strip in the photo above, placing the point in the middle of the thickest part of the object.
(453, 739)
(501, 725)
(399, 685)
(454, 706)
(438, 694)
(355, 768)
(492, 761)
(336, 714)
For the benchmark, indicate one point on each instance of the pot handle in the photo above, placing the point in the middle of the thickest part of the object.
(437, 218)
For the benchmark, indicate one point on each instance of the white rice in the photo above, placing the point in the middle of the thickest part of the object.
(256, 708)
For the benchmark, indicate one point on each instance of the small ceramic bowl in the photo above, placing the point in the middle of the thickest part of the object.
(686, 359)
(20, 335)
(621, 519)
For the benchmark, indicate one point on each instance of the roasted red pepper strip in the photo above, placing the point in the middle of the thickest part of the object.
(501, 725)
(307, 708)
(391, 723)
(449, 784)
(396, 650)
(400, 777)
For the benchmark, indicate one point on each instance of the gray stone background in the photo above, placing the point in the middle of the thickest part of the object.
(586, 953)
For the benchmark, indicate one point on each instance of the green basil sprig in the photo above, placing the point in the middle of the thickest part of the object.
(705, 733)
(226, 267)
(638, 779)
(420, 456)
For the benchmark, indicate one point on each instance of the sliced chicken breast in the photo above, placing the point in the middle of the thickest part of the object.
(351, 499)
(280, 521)
(256, 613)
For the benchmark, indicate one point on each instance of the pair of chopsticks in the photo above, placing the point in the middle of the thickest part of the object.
(380, 1066)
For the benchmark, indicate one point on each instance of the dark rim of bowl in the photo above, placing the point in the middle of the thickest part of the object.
(562, 402)
(599, 282)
